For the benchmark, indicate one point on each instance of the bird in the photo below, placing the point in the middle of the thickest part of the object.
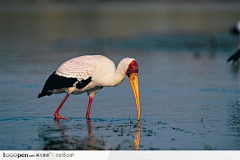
(236, 56)
(90, 73)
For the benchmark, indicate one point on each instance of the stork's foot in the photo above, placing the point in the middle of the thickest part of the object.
(57, 116)
(88, 118)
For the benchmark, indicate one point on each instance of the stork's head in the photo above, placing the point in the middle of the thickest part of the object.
(132, 68)
(132, 73)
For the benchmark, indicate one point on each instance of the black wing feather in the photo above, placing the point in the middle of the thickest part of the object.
(83, 83)
(55, 81)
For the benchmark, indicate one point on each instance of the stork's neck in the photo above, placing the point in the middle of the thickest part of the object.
(120, 73)
(118, 77)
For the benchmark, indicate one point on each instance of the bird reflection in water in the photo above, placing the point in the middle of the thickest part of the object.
(58, 126)
(136, 140)
(89, 130)
(56, 138)
(138, 136)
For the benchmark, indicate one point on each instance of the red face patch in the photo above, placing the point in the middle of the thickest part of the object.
(132, 68)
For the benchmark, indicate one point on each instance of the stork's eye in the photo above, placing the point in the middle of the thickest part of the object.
(130, 68)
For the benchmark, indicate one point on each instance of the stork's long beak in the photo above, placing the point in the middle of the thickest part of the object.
(133, 78)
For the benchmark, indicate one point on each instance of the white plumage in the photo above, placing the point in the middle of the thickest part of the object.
(79, 67)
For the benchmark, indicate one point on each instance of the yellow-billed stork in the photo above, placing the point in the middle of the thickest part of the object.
(90, 73)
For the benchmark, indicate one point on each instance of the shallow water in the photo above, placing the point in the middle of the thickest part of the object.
(189, 94)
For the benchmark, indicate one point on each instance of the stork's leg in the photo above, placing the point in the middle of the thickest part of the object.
(56, 115)
(89, 107)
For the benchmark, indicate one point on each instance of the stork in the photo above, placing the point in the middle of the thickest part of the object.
(90, 73)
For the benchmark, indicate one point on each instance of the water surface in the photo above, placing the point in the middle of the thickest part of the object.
(189, 94)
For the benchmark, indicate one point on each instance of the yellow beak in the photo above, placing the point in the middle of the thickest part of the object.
(133, 78)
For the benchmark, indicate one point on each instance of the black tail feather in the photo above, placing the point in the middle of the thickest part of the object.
(43, 94)
(40, 95)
